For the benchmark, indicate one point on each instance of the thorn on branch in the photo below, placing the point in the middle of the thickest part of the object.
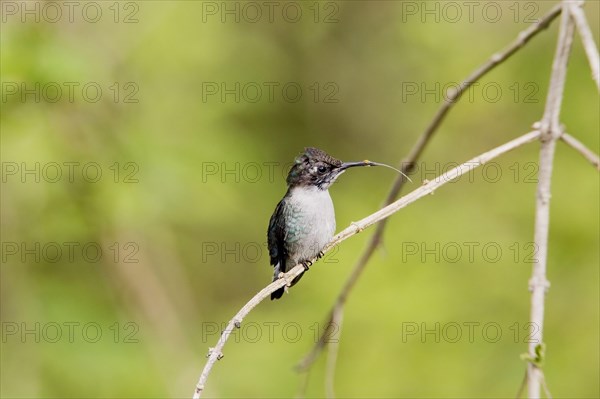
(288, 282)
(452, 92)
(546, 132)
(544, 198)
(220, 355)
(358, 227)
(426, 182)
(536, 282)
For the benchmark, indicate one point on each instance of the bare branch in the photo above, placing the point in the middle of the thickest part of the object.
(408, 164)
(427, 188)
(303, 386)
(550, 132)
(588, 41)
(582, 149)
(216, 353)
(550, 124)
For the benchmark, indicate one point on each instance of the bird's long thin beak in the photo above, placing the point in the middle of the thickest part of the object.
(347, 165)
(366, 162)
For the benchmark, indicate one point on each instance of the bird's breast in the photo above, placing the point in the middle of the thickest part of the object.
(310, 219)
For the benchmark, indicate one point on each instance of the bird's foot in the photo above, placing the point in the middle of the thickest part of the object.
(320, 254)
(306, 265)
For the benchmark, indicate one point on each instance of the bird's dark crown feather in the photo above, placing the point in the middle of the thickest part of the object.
(313, 167)
(315, 155)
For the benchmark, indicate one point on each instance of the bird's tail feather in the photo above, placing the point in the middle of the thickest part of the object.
(279, 293)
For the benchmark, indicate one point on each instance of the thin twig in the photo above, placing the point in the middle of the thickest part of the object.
(216, 353)
(333, 348)
(588, 41)
(582, 149)
(408, 164)
(550, 132)
(522, 386)
(546, 390)
(427, 188)
(303, 386)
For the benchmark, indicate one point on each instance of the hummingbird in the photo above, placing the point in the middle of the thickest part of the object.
(304, 220)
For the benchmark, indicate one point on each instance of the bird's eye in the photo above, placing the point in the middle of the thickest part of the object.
(322, 169)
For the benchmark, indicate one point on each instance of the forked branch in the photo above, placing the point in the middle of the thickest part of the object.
(407, 166)
(588, 41)
(550, 132)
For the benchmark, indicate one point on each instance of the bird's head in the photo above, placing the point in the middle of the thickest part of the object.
(316, 168)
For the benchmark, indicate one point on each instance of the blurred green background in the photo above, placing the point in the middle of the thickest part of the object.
(115, 285)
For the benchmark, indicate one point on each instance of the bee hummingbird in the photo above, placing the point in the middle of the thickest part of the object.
(304, 220)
